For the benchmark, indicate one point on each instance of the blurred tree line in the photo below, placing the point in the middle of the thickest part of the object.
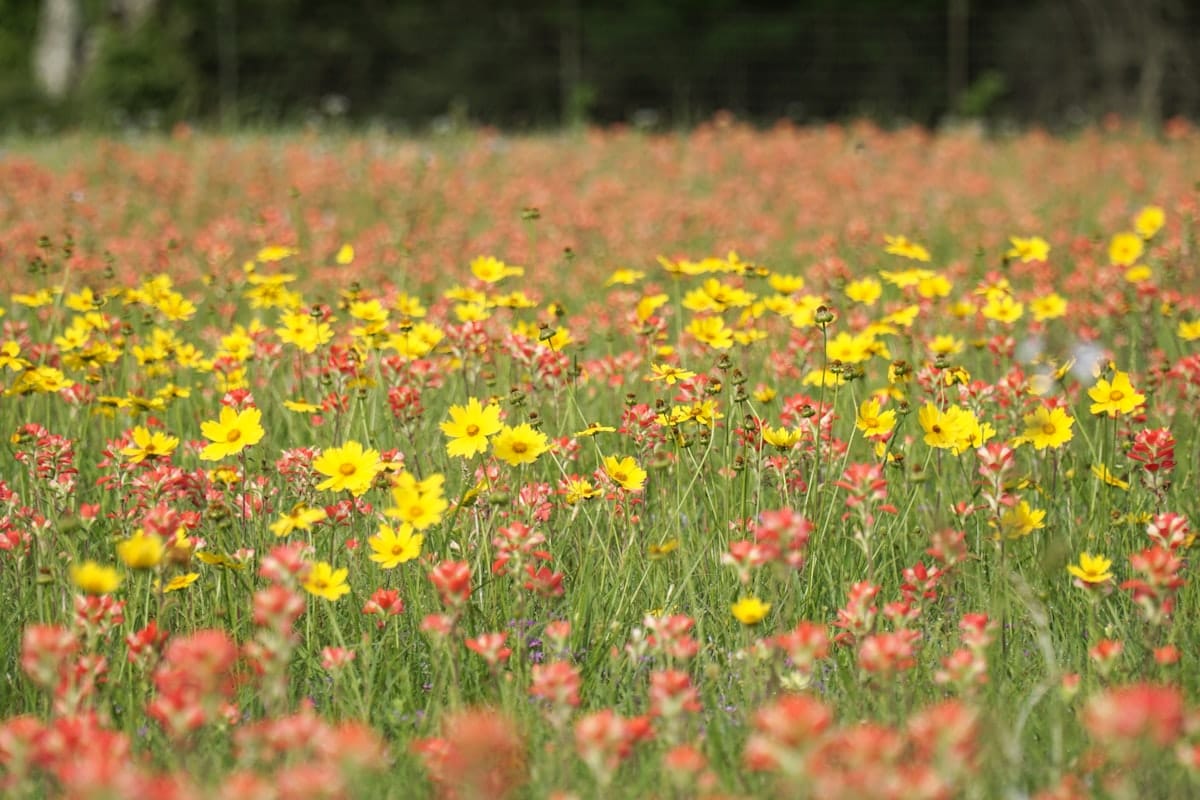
(533, 63)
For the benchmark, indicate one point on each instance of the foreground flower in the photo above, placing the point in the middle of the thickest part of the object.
(1149, 221)
(300, 518)
(419, 503)
(141, 551)
(1115, 397)
(1092, 569)
(149, 445)
(231, 433)
(750, 610)
(469, 428)
(348, 467)
(1047, 427)
(93, 578)
(780, 438)
(900, 246)
(1035, 248)
(873, 422)
(325, 581)
(1125, 249)
(520, 445)
(1021, 520)
(625, 472)
(393, 546)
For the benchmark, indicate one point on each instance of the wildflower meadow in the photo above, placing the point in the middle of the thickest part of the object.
(828, 462)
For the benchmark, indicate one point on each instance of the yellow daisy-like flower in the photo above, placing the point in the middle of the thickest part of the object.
(1188, 331)
(1115, 397)
(520, 445)
(873, 422)
(670, 374)
(943, 429)
(325, 581)
(750, 610)
(1035, 248)
(393, 546)
(147, 444)
(1003, 308)
(300, 518)
(419, 503)
(469, 428)
(141, 550)
(864, 290)
(1092, 569)
(96, 579)
(577, 490)
(625, 277)
(1125, 249)
(273, 253)
(349, 468)
(231, 433)
(1102, 472)
(1050, 306)
(780, 438)
(181, 582)
(711, 331)
(900, 246)
(1149, 221)
(1021, 520)
(625, 472)
(1047, 427)
(493, 270)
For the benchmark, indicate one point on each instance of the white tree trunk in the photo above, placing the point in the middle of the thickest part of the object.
(56, 54)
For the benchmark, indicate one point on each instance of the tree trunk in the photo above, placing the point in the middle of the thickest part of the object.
(57, 51)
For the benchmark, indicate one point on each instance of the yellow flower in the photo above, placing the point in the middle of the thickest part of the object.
(325, 581)
(864, 290)
(348, 467)
(520, 445)
(579, 489)
(1092, 569)
(92, 578)
(1149, 221)
(625, 277)
(1047, 427)
(780, 438)
(274, 253)
(493, 270)
(1035, 248)
(712, 332)
(1188, 331)
(1138, 274)
(1115, 397)
(300, 518)
(1102, 472)
(181, 582)
(625, 472)
(1125, 249)
(469, 428)
(1003, 308)
(750, 610)
(670, 374)
(943, 429)
(945, 345)
(10, 357)
(1050, 306)
(298, 328)
(301, 406)
(344, 256)
(594, 428)
(141, 551)
(419, 503)
(785, 284)
(149, 445)
(393, 546)
(232, 433)
(649, 304)
(900, 246)
(873, 422)
(934, 286)
(1021, 520)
